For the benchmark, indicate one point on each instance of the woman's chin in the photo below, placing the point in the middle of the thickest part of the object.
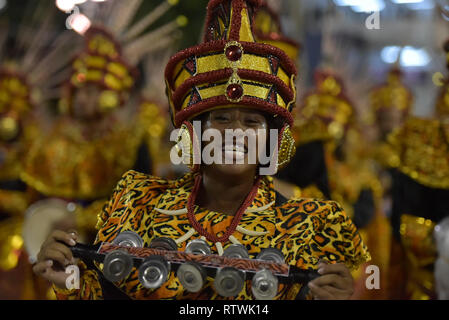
(234, 169)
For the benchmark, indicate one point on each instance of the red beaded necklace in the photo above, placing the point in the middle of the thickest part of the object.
(235, 221)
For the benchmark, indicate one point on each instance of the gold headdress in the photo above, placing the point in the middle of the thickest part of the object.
(392, 94)
(113, 48)
(326, 111)
(421, 149)
(231, 69)
(267, 29)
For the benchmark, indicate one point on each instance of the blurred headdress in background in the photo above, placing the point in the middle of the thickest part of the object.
(114, 46)
(326, 111)
(31, 67)
(392, 94)
(268, 29)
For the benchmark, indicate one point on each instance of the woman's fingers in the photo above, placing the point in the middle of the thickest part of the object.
(41, 267)
(328, 293)
(320, 293)
(335, 282)
(58, 240)
(331, 280)
(68, 238)
(338, 268)
(56, 255)
(63, 249)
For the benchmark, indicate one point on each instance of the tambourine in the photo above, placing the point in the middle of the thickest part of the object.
(192, 267)
(40, 218)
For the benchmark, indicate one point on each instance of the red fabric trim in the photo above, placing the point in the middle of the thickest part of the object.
(215, 76)
(248, 47)
(214, 3)
(208, 77)
(251, 102)
(236, 19)
(203, 48)
(264, 49)
(285, 91)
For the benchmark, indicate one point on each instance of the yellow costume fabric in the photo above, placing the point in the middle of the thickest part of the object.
(305, 230)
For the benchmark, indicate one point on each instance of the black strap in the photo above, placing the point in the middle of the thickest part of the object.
(110, 291)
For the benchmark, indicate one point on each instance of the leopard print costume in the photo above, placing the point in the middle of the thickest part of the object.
(305, 230)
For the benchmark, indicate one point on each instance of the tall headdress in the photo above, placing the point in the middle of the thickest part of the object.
(392, 94)
(229, 68)
(326, 111)
(114, 47)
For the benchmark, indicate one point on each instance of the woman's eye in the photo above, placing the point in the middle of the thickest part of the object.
(221, 118)
(253, 122)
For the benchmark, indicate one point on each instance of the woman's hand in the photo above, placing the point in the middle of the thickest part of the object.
(335, 282)
(55, 256)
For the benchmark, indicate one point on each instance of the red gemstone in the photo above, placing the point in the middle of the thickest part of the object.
(234, 91)
(234, 53)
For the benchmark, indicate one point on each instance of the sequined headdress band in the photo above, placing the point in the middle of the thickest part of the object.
(230, 68)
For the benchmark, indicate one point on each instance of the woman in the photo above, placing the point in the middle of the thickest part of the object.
(227, 82)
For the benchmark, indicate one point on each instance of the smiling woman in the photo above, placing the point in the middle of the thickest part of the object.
(229, 81)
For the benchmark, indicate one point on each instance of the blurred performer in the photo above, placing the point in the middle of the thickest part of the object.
(268, 29)
(332, 158)
(28, 76)
(420, 194)
(229, 81)
(391, 103)
(100, 133)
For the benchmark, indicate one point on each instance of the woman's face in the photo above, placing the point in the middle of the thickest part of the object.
(85, 102)
(389, 119)
(242, 131)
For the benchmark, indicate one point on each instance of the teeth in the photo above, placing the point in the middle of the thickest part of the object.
(234, 148)
(230, 154)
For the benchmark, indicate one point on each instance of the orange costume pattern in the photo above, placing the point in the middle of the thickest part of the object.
(305, 230)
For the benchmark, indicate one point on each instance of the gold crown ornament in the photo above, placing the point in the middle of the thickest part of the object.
(231, 69)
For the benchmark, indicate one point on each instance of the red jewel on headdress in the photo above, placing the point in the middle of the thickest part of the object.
(234, 91)
(234, 53)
